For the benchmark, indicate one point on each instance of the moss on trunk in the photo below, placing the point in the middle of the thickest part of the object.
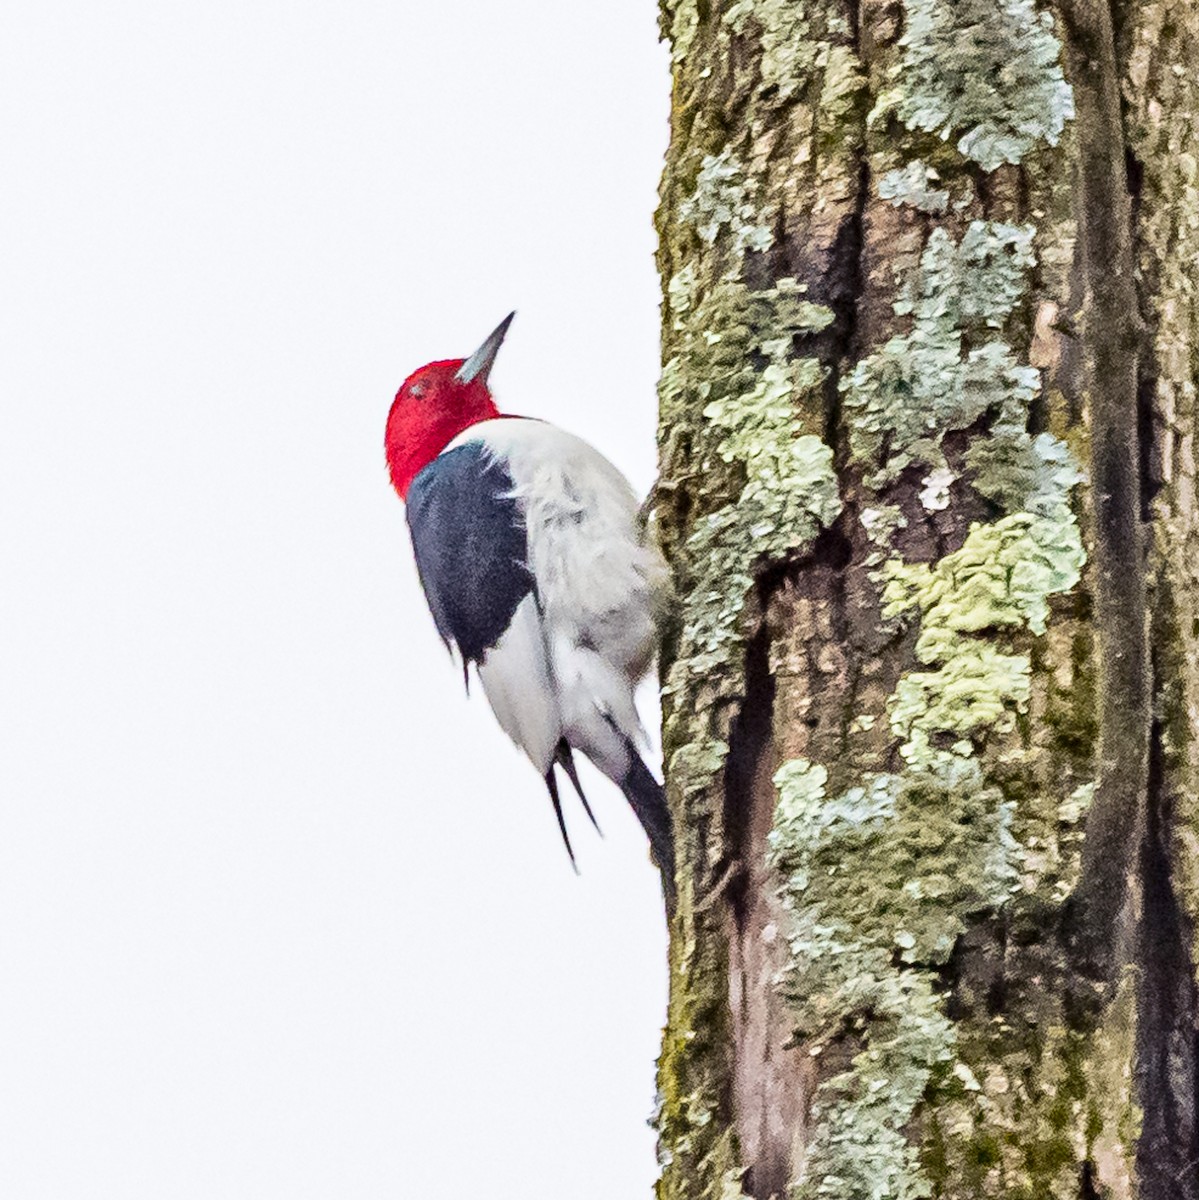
(921, 792)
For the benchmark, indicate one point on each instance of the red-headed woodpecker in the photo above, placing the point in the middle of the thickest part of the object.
(535, 564)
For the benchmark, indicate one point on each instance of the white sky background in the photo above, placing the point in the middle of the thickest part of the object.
(281, 914)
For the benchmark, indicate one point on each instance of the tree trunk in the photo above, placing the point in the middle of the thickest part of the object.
(931, 347)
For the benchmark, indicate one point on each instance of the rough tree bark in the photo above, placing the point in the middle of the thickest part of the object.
(931, 350)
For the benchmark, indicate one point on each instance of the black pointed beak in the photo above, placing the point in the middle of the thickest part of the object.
(478, 366)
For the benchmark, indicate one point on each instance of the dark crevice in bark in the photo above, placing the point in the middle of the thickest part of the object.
(773, 1077)
(982, 188)
(853, 11)
(749, 740)
(972, 979)
(838, 284)
(1134, 169)
(1147, 444)
(1150, 472)
(1112, 335)
(1167, 1043)
(846, 289)
(853, 238)
(1167, 1051)
(769, 1093)
(831, 549)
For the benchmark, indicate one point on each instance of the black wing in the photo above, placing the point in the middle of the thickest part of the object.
(470, 544)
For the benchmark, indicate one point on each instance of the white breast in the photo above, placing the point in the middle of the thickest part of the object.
(601, 585)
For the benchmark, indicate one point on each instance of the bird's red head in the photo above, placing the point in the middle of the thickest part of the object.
(435, 404)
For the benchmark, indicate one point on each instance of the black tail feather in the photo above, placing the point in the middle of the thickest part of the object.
(566, 761)
(551, 782)
(648, 800)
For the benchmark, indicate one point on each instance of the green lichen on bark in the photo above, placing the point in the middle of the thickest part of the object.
(735, 358)
(795, 43)
(781, 490)
(785, 32)
(903, 399)
(790, 494)
(1001, 578)
(839, 269)
(723, 199)
(987, 71)
(679, 23)
(769, 480)
(1163, 132)
(881, 880)
(913, 184)
(884, 879)
(765, 487)
(878, 882)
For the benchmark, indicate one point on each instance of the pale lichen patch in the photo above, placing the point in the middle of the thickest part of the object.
(976, 282)
(680, 289)
(724, 199)
(1019, 472)
(1051, 863)
(934, 495)
(914, 184)
(881, 880)
(881, 522)
(788, 492)
(987, 71)
(1002, 577)
(917, 387)
(788, 47)
(878, 882)
(680, 23)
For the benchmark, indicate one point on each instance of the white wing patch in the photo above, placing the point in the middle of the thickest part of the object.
(519, 684)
